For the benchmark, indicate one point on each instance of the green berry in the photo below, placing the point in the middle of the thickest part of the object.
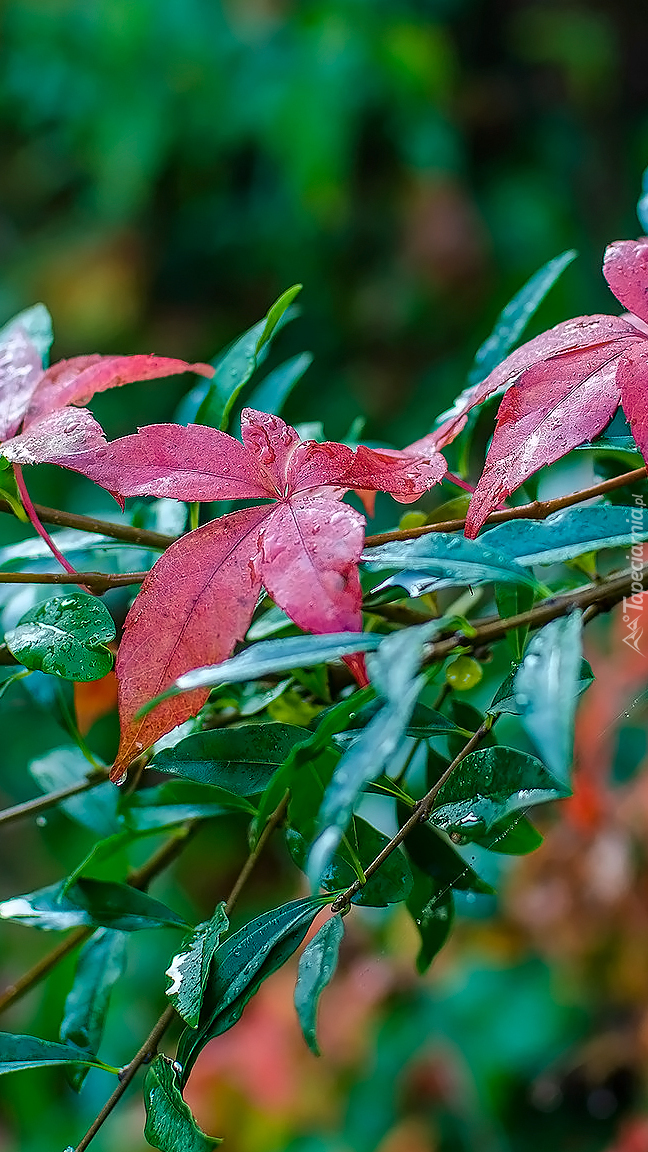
(463, 673)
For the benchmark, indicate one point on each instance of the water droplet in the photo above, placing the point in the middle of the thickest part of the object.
(177, 1067)
(41, 821)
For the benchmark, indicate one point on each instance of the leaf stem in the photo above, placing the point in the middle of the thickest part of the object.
(42, 803)
(100, 581)
(35, 522)
(150, 1045)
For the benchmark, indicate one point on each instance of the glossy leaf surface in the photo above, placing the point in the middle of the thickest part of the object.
(568, 533)
(17, 1053)
(65, 636)
(100, 965)
(546, 691)
(317, 965)
(241, 759)
(102, 903)
(489, 785)
(189, 969)
(170, 1126)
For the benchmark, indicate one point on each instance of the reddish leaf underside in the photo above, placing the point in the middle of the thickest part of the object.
(632, 379)
(625, 268)
(76, 381)
(551, 409)
(404, 474)
(195, 603)
(20, 372)
(65, 432)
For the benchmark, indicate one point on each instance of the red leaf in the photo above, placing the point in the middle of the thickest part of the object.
(551, 409)
(193, 463)
(293, 465)
(195, 603)
(20, 372)
(76, 381)
(310, 548)
(632, 378)
(625, 268)
(585, 332)
(66, 432)
(405, 474)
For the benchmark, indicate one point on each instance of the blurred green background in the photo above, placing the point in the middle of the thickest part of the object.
(167, 169)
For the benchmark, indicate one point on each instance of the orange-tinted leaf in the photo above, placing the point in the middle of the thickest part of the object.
(94, 699)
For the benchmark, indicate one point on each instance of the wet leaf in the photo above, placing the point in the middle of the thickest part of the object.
(567, 534)
(433, 913)
(174, 802)
(433, 852)
(546, 691)
(489, 785)
(170, 1125)
(362, 843)
(443, 560)
(190, 967)
(65, 636)
(100, 965)
(17, 1053)
(101, 903)
(317, 965)
(66, 766)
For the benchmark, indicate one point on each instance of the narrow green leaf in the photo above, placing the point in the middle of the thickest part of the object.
(394, 671)
(240, 965)
(170, 1125)
(511, 599)
(101, 903)
(389, 885)
(317, 965)
(433, 913)
(190, 967)
(65, 636)
(99, 967)
(178, 800)
(567, 534)
(17, 1053)
(96, 809)
(443, 560)
(273, 391)
(546, 691)
(241, 759)
(489, 785)
(270, 656)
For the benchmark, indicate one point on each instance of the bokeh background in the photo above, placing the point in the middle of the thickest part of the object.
(167, 168)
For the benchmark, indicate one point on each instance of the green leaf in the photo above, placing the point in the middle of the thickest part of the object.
(504, 698)
(271, 394)
(241, 759)
(37, 323)
(95, 809)
(65, 636)
(9, 492)
(239, 967)
(515, 316)
(178, 800)
(17, 1053)
(270, 656)
(389, 885)
(190, 967)
(511, 599)
(642, 206)
(567, 534)
(489, 785)
(99, 967)
(546, 691)
(443, 560)
(434, 853)
(433, 914)
(235, 368)
(394, 671)
(170, 1125)
(101, 903)
(513, 836)
(317, 965)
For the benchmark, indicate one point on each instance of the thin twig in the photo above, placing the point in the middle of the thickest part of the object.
(42, 803)
(150, 1045)
(126, 532)
(420, 812)
(97, 580)
(536, 510)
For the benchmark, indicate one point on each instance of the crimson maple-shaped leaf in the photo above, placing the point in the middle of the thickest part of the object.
(198, 599)
(563, 387)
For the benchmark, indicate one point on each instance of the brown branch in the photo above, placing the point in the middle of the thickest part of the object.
(99, 580)
(536, 510)
(421, 812)
(125, 532)
(42, 803)
(150, 1045)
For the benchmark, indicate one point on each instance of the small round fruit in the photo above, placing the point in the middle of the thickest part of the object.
(463, 673)
(412, 520)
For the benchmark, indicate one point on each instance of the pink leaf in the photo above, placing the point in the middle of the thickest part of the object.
(632, 378)
(193, 463)
(20, 372)
(67, 432)
(405, 474)
(310, 548)
(76, 381)
(551, 409)
(293, 465)
(625, 268)
(194, 605)
(585, 332)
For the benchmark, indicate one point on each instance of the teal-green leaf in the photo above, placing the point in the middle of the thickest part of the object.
(37, 323)
(241, 759)
(433, 913)
(389, 885)
(504, 698)
(317, 965)
(174, 802)
(567, 534)
(270, 656)
(239, 362)
(443, 560)
(240, 965)
(101, 903)
(170, 1125)
(65, 636)
(546, 690)
(17, 1053)
(489, 785)
(190, 967)
(100, 965)
(273, 391)
(66, 766)
(394, 671)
